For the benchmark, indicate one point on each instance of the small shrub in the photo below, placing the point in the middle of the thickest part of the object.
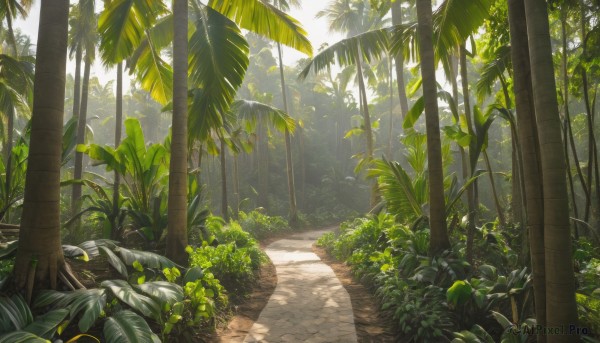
(261, 225)
(234, 267)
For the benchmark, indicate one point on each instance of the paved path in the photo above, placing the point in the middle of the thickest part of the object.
(309, 303)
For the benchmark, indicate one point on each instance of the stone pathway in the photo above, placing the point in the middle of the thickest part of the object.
(309, 304)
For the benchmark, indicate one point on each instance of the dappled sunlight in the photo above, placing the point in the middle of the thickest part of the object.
(309, 303)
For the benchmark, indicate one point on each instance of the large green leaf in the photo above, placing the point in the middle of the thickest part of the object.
(14, 313)
(122, 26)
(89, 301)
(218, 64)
(146, 258)
(155, 74)
(46, 325)
(91, 247)
(114, 260)
(139, 302)
(127, 327)
(265, 19)
(22, 337)
(459, 292)
(162, 291)
(414, 113)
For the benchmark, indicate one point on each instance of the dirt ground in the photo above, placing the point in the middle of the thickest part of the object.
(371, 324)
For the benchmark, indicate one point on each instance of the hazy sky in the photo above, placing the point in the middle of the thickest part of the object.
(316, 28)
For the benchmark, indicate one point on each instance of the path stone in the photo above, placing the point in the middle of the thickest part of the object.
(309, 303)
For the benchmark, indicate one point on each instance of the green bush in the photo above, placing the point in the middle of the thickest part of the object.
(234, 267)
(261, 225)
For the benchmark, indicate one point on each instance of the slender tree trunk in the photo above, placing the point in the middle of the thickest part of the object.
(177, 205)
(10, 128)
(118, 133)
(77, 85)
(80, 138)
(528, 139)
(499, 210)
(592, 150)
(236, 186)
(471, 204)
(390, 152)
(39, 257)
(568, 133)
(570, 179)
(293, 215)
(224, 204)
(263, 166)
(397, 20)
(437, 208)
(367, 123)
(561, 308)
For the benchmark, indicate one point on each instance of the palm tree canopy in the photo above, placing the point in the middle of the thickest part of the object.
(370, 45)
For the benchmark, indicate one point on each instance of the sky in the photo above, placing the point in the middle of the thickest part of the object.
(317, 33)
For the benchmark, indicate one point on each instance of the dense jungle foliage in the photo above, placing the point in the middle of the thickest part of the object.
(452, 141)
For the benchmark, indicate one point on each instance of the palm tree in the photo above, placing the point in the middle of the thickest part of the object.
(353, 51)
(437, 219)
(177, 205)
(9, 10)
(528, 137)
(293, 213)
(84, 36)
(39, 258)
(137, 29)
(561, 307)
(399, 58)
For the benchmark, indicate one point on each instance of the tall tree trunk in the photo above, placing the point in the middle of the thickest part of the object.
(77, 81)
(10, 128)
(293, 215)
(118, 133)
(224, 204)
(39, 257)
(236, 186)
(80, 138)
(390, 151)
(471, 204)
(528, 138)
(499, 210)
(561, 308)
(263, 165)
(437, 209)
(397, 20)
(367, 123)
(568, 129)
(177, 205)
(592, 150)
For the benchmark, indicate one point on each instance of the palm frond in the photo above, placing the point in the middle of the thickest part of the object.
(122, 26)
(492, 71)
(251, 112)
(370, 45)
(218, 64)
(265, 19)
